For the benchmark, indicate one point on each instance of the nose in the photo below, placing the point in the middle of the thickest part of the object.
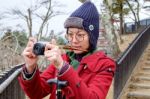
(74, 39)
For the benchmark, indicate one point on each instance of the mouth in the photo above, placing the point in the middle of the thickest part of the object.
(78, 48)
(74, 48)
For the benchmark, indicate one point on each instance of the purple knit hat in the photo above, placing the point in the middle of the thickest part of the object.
(87, 18)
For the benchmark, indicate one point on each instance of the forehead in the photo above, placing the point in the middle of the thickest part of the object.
(76, 30)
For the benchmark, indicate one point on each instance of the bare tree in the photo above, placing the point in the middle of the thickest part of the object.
(9, 45)
(135, 12)
(43, 11)
(33, 12)
(48, 15)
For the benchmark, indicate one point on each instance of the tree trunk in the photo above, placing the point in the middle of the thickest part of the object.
(46, 18)
(110, 34)
(136, 22)
(121, 19)
(29, 22)
(138, 10)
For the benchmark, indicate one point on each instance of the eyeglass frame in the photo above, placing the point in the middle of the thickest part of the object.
(83, 36)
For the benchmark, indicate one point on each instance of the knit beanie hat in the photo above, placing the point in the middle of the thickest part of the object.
(87, 18)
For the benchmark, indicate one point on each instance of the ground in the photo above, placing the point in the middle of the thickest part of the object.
(127, 39)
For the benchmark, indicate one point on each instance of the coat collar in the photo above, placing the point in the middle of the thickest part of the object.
(92, 61)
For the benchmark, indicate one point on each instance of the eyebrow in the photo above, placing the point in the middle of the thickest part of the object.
(79, 30)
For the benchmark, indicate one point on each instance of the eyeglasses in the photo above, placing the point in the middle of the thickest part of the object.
(78, 36)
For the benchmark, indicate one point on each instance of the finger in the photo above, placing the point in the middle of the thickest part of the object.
(34, 40)
(49, 46)
(29, 55)
(52, 58)
(53, 41)
(53, 50)
(31, 42)
(28, 49)
(57, 50)
(26, 53)
(50, 53)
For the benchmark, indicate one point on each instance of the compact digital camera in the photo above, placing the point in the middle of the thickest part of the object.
(39, 48)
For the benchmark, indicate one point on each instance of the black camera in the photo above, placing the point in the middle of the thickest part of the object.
(39, 48)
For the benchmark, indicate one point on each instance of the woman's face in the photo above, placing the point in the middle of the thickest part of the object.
(79, 39)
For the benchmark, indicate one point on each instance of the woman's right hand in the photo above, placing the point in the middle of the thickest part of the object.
(29, 57)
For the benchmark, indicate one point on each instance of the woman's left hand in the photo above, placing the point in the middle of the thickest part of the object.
(53, 54)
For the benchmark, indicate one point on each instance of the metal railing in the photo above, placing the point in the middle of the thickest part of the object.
(9, 85)
(128, 60)
(130, 27)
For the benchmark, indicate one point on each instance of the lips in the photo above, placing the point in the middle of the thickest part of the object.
(78, 47)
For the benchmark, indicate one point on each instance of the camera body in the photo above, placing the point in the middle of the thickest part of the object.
(39, 48)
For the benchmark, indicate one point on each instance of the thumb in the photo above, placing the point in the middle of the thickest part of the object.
(53, 41)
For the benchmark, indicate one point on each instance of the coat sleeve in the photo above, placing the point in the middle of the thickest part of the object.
(97, 87)
(37, 87)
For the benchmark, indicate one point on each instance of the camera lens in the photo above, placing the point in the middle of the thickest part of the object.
(39, 48)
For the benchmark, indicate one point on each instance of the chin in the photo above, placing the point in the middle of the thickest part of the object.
(77, 52)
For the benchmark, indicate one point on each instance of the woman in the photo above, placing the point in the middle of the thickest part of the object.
(89, 72)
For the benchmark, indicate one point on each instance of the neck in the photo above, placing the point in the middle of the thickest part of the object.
(80, 56)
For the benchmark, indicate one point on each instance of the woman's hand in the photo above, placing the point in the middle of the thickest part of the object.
(53, 54)
(29, 57)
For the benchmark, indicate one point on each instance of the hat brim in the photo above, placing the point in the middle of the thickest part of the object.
(74, 22)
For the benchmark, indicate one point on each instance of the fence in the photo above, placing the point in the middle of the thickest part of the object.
(9, 85)
(130, 27)
(128, 60)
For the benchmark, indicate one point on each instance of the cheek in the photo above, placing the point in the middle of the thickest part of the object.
(86, 44)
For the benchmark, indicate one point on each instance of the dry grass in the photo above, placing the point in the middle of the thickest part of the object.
(127, 39)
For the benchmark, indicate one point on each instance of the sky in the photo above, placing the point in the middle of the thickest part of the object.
(56, 23)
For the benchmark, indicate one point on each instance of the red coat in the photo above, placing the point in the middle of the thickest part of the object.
(91, 80)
